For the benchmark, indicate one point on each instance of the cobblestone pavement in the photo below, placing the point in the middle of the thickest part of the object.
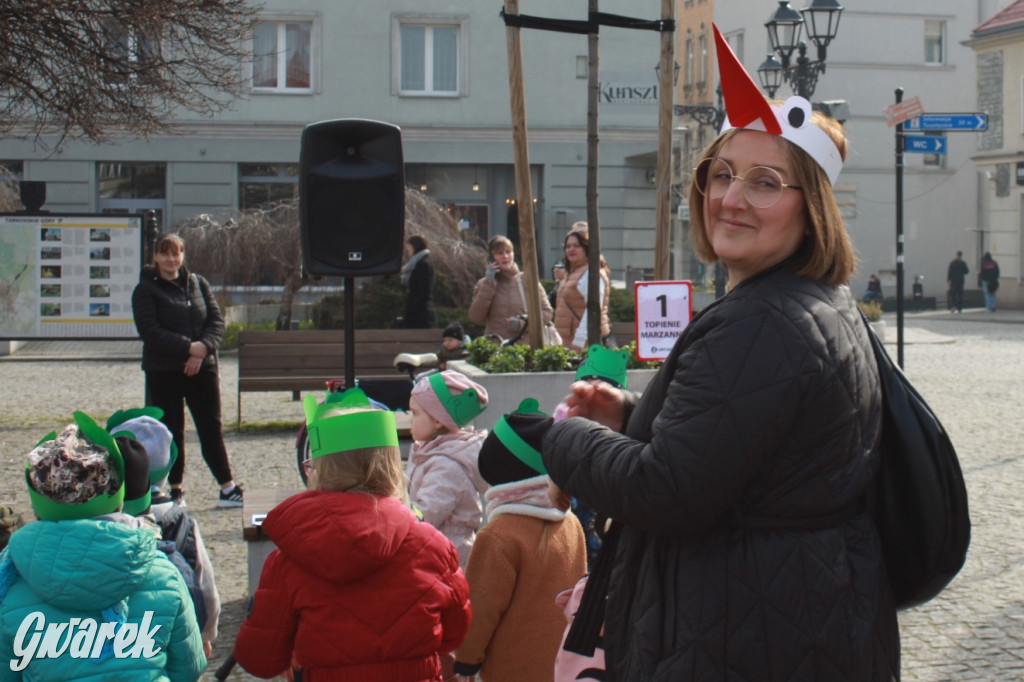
(969, 369)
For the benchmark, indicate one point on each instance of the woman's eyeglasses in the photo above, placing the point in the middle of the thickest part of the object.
(762, 186)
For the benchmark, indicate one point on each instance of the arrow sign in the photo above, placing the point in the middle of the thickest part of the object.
(925, 144)
(949, 122)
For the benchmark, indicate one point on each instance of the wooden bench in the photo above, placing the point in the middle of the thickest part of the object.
(304, 360)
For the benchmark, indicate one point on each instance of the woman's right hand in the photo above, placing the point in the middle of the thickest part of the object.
(597, 400)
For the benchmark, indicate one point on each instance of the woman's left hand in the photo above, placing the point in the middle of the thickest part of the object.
(192, 365)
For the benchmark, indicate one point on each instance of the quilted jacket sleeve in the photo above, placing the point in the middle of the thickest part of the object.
(440, 488)
(703, 430)
(265, 641)
(491, 571)
(145, 300)
(185, 658)
(483, 294)
(213, 328)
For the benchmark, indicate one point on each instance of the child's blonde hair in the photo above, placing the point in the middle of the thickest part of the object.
(376, 470)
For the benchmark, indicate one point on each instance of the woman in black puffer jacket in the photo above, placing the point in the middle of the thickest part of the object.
(181, 328)
(740, 547)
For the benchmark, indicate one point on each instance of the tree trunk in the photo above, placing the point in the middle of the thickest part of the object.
(524, 193)
(593, 220)
(294, 282)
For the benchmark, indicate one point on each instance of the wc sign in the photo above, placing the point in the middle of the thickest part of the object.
(663, 309)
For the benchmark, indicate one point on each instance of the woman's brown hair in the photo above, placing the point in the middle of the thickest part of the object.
(826, 252)
(169, 242)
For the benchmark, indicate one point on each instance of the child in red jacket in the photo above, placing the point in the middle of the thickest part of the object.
(357, 587)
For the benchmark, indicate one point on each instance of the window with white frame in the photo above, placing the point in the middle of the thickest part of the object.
(702, 66)
(127, 50)
(934, 41)
(283, 56)
(691, 65)
(429, 55)
(263, 184)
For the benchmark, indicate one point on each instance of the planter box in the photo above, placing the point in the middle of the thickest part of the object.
(505, 391)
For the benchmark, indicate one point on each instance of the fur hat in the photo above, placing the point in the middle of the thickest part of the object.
(156, 440)
(76, 475)
(136, 475)
(10, 521)
(451, 398)
(454, 331)
(511, 452)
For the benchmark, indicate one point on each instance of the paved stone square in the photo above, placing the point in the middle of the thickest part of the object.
(969, 368)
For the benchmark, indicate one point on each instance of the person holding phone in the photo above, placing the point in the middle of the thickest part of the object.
(499, 298)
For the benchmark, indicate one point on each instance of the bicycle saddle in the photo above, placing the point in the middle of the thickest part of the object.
(406, 361)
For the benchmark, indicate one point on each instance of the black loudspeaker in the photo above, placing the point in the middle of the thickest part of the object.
(32, 194)
(352, 198)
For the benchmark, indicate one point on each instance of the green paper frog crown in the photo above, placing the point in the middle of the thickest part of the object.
(51, 510)
(462, 408)
(330, 432)
(122, 416)
(607, 364)
(526, 453)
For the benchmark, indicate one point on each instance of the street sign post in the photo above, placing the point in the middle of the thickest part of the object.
(925, 144)
(948, 122)
(901, 111)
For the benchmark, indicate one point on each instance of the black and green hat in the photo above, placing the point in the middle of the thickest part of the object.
(512, 450)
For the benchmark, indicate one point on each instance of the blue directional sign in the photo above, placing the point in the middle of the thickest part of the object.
(925, 144)
(949, 122)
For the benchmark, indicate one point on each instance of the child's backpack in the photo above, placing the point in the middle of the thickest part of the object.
(194, 590)
(178, 530)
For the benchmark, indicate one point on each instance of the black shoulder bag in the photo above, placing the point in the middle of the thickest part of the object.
(918, 499)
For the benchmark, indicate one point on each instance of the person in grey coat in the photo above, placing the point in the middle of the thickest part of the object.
(740, 547)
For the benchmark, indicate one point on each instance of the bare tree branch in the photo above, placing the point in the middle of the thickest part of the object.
(94, 68)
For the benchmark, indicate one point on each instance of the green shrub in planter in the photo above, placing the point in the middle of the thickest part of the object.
(555, 359)
(871, 309)
(508, 359)
(480, 351)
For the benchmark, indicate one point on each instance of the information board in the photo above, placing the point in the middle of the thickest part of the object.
(68, 276)
(663, 309)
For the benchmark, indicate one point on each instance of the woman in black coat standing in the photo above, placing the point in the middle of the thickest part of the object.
(418, 277)
(182, 327)
(740, 546)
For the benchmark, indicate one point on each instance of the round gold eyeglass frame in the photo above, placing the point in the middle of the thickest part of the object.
(762, 186)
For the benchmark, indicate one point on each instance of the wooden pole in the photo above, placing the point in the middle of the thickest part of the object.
(663, 170)
(524, 192)
(593, 216)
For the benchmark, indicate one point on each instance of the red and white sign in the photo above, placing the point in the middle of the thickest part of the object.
(904, 111)
(663, 309)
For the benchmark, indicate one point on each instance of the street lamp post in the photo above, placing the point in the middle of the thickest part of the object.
(821, 21)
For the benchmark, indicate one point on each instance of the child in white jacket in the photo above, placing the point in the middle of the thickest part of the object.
(444, 481)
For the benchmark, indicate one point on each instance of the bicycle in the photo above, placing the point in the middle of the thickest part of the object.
(385, 394)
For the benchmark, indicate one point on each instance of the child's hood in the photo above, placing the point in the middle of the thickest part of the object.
(462, 447)
(87, 564)
(339, 537)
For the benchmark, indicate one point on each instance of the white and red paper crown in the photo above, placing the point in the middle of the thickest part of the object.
(747, 108)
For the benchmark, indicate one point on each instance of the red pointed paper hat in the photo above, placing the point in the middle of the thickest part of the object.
(747, 108)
